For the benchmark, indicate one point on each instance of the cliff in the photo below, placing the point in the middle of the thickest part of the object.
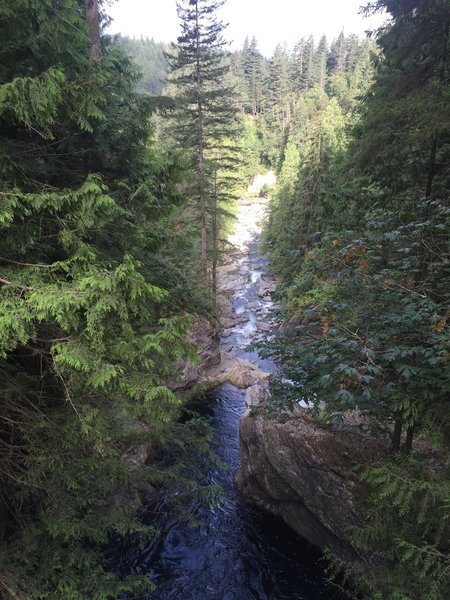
(305, 474)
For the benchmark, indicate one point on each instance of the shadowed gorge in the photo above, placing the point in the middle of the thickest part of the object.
(224, 304)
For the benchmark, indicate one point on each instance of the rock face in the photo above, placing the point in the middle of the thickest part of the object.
(205, 334)
(304, 474)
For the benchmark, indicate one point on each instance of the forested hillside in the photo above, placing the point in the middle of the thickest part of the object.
(113, 208)
(359, 235)
(150, 57)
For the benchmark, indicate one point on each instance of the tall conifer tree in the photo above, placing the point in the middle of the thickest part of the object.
(205, 117)
(406, 125)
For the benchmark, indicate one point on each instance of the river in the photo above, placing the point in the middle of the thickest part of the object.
(235, 552)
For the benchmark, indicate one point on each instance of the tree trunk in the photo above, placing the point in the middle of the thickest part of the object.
(397, 435)
(200, 155)
(93, 20)
(409, 439)
(215, 240)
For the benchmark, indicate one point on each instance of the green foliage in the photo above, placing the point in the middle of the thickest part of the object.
(406, 532)
(151, 58)
(307, 183)
(405, 125)
(204, 124)
(372, 315)
(365, 276)
(92, 311)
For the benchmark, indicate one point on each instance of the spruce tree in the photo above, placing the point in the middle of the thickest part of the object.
(298, 65)
(278, 76)
(307, 76)
(320, 63)
(255, 69)
(337, 56)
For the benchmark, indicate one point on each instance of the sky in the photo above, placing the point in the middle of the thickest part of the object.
(270, 21)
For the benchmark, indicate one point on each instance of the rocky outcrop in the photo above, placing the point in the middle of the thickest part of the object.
(304, 474)
(267, 285)
(205, 334)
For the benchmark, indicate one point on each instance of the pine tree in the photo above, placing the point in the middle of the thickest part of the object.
(278, 76)
(298, 65)
(255, 69)
(320, 63)
(337, 56)
(306, 80)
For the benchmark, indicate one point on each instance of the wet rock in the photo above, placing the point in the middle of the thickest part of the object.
(228, 268)
(304, 474)
(232, 284)
(126, 498)
(253, 306)
(136, 458)
(263, 326)
(255, 395)
(233, 322)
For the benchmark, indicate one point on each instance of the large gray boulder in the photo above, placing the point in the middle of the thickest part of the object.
(237, 371)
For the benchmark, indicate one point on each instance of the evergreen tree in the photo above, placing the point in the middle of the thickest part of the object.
(278, 76)
(405, 127)
(205, 121)
(298, 65)
(337, 56)
(150, 56)
(307, 78)
(320, 63)
(238, 82)
(255, 69)
(88, 330)
(368, 307)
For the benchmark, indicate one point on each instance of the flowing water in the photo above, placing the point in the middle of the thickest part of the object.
(235, 552)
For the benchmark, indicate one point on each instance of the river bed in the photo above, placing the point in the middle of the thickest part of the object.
(235, 552)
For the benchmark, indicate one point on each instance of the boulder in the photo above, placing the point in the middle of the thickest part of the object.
(263, 326)
(256, 395)
(304, 474)
(268, 284)
(237, 371)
